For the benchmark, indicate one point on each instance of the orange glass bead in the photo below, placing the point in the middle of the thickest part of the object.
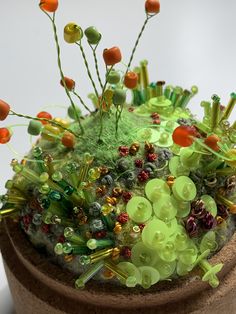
(183, 135)
(68, 140)
(4, 110)
(152, 6)
(49, 5)
(212, 141)
(112, 56)
(70, 84)
(5, 135)
(131, 80)
(44, 115)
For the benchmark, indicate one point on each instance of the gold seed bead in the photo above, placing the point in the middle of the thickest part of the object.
(101, 190)
(111, 200)
(219, 220)
(103, 170)
(117, 192)
(69, 258)
(149, 147)
(118, 228)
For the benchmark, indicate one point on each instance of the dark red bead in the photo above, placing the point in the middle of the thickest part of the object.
(126, 252)
(123, 218)
(61, 239)
(152, 157)
(138, 163)
(126, 196)
(143, 176)
(124, 151)
(100, 234)
(198, 209)
(131, 109)
(209, 222)
(141, 226)
(27, 219)
(156, 121)
(45, 228)
(191, 226)
(155, 115)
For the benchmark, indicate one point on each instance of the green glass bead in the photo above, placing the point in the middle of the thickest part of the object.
(57, 176)
(44, 177)
(74, 112)
(44, 189)
(183, 208)
(58, 249)
(184, 189)
(113, 77)
(72, 33)
(37, 152)
(164, 208)
(176, 168)
(181, 239)
(208, 242)
(189, 159)
(150, 276)
(172, 226)
(93, 36)
(119, 97)
(148, 134)
(168, 252)
(94, 174)
(34, 127)
(94, 244)
(165, 269)
(189, 255)
(155, 188)
(132, 271)
(88, 274)
(155, 234)
(165, 140)
(139, 209)
(194, 89)
(183, 269)
(141, 255)
(55, 196)
(210, 204)
(85, 260)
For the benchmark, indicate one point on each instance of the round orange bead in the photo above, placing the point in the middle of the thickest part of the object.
(112, 56)
(152, 6)
(5, 135)
(68, 140)
(70, 84)
(44, 115)
(183, 135)
(131, 80)
(4, 110)
(212, 141)
(49, 5)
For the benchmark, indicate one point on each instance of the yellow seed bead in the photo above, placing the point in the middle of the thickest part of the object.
(111, 200)
(118, 228)
(107, 209)
(50, 132)
(94, 174)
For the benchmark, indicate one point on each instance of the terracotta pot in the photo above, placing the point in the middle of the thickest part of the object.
(38, 286)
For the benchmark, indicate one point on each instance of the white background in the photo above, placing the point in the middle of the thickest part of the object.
(190, 42)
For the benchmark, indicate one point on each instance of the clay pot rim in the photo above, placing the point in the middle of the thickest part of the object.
(62, 281)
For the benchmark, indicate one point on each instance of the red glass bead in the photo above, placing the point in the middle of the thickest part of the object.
(68, 140)
(183, 135)
(152, 6)
(141, 227)
(155, 115)
(100, 234)
(69, 83)
(126, 196)
(191, 226)
(151, 157)
(143, 176)
(44, 115)
(138, 163)
(61, 239)
(156, 121)
(126, 252)
(123, 218)
(45, 228)
(4, 110)
(5, 135)
(124, 151)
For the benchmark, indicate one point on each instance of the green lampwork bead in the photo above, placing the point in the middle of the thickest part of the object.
(172, 226)
(181, 239)
(176, 168)
(148, 134)
(119, 97)
(210, 204)
(34, 127)
(73, 113)
(58, 249)
(189, 255)
(132, 271)
(113, 77)
(155, 188)
(164, 208)
(139, 209)
(72, 33)
(141, 255)
(93, 36)
(168, 252)
(189, 158)
(183, 208)
(183, 269)
(208, 242)
(155, 234)
(184, 189)
(165, 269)
(165, 140)
(150, 276)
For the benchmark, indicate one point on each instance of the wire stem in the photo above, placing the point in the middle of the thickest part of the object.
(60, 68)
(87, 67)
(96, 65)
(42, 119)
(148, 17)
(82, 102)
